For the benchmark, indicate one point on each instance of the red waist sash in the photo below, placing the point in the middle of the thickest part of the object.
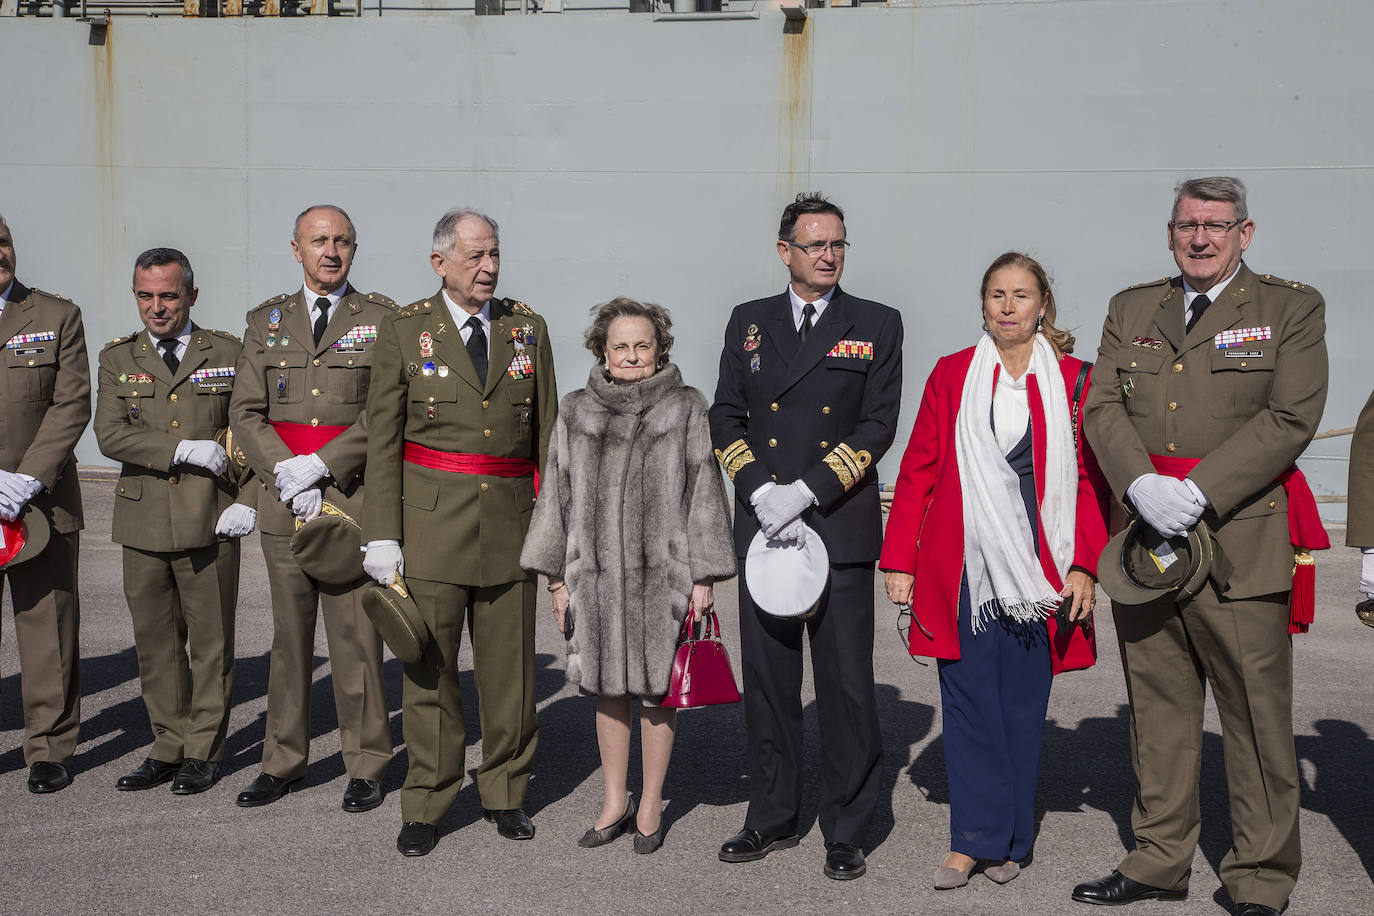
(471, 463)
(304, 439)
(1305, 532)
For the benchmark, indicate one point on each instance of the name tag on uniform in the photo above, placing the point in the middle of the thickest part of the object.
(1239, 337)
(521, 367)
(1249, 354)
(29, 351)
(854, 349)
(20, 340)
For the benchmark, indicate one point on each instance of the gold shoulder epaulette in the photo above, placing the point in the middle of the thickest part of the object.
(382, 300)
(119, 340)
(50, 295)
(280, 297)
(517, 306)
(1280, 281)
(225, 334)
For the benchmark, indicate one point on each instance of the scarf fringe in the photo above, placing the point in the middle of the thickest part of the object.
(1018, 609)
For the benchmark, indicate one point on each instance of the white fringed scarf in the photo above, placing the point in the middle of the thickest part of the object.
(1004, 574)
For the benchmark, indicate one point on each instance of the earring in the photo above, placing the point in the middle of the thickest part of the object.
(985, 326)
(1039, 322)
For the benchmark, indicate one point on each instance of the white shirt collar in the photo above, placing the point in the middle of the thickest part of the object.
(334, 297)
(461, 316)
(799, 304)
(183, 342)
(1189, 294)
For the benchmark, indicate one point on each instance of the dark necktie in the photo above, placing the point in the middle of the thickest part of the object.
(477, 348)
(808, 321)
(169, 354)
(321, 306)
(1199, 306)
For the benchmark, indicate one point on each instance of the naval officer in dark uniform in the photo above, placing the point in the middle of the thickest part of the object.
(810, 385)
(1208, 387)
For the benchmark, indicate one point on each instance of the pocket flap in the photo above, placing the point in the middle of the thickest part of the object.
(421, 494)
(434, 390)
(1143, 361)
(287, 359)
(130, 487)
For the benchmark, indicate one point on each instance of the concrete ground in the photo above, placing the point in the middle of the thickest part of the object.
(92, 849)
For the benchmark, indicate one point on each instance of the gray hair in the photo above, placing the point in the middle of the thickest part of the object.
(1220, 188)
(160, 257)
(296, 228)
(446, 230)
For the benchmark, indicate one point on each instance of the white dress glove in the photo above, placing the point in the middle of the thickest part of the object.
(296, 474)
(793, 533)
(1167, 504)
(1367, 572)
(382, 561)
(237, 521)
(203, 453)
(777, 507)
(306, 504)
(15, 491)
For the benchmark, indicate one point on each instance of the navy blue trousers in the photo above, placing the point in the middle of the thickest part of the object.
(994, 699)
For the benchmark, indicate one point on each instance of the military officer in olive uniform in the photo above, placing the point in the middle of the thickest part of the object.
(462, 404)
(297, 413)
(45, 403)
(1209, 386)
(162, 400)
(1359, 528)
(807, 400)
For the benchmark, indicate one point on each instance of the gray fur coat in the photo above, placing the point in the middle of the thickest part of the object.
(631, 512)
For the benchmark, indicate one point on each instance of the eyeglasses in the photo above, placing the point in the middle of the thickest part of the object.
(905, 618)
(816, 249)
(1213, 230)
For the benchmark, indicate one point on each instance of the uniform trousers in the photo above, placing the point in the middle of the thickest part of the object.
(1170, 653)
(47, 620)
(180, 601)
(841, 635)
(355, 661)
(500, 620)
(993, 701)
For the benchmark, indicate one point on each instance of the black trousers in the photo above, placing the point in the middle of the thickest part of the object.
(841, 636)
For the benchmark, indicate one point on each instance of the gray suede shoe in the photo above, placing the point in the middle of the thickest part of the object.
(1004, 872)
(947, 878)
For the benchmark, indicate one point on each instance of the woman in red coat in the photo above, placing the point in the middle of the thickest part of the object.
(997, 520)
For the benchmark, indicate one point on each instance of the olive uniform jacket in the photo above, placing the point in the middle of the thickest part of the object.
(284, 376)
(142, 411)
(1245, 403)
(45, 398)
(463, 529)
(821, 412)
(1359, 530)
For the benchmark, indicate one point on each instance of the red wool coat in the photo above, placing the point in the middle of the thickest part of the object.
(925, 530)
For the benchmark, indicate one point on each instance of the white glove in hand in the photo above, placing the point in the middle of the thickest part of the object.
(203, 453)
(9, 510)
(793, 533)
(295, 474)
(17, 489)
(1367, 572)
(237, 521)
(1166, 503)
(306, 504)
(382, 561)
(779, 506)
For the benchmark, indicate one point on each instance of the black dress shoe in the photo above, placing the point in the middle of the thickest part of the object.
(149, 773)
(1116, 889)
(844, 862)
(195, 776)
(46, 776)
(595, 837)
(264, 790)
(417, 838)
(1255, 909)
(749, 845)
(511, 823)
(362, 795)
(648, 843)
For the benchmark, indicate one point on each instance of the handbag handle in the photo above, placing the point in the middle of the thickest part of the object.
(710, 627)
(1083, 371)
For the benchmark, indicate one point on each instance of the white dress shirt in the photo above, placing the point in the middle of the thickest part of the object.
(183, 341)
(799, 304)
(334, 297)
(1189, 294)
(461, 316)
(1010, 409)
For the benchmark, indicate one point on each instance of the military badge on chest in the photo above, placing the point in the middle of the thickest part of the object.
(273, 325)
(752, 341)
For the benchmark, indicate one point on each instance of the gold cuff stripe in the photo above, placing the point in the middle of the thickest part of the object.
(849, 466)
(733, 457)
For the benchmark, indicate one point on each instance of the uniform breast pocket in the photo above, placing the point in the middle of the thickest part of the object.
(1141, 385)
(347, 376)
(1242, 379)
(852, 364)
(522, 409)
(285, 377)
(212, 403)
(428, 397)
(32, 372)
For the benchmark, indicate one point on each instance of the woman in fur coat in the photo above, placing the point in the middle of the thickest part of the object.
(631, 528)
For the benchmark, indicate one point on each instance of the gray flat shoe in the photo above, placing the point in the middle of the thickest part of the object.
(1004, 872)
(947, 879)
